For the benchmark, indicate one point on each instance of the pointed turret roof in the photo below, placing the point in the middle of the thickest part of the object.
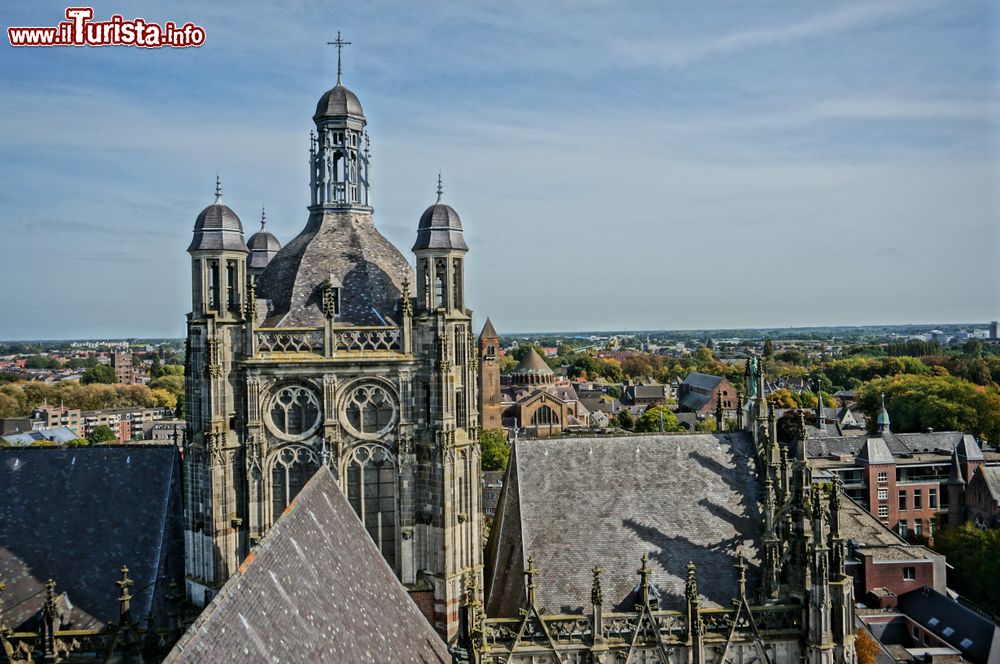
(968, 449)
(489, 332)
(532, 363)
(955, 473)
(883, 417)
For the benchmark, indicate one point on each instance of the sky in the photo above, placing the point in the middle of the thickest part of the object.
(617, 165)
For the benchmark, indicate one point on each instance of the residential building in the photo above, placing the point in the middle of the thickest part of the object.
(699, 393)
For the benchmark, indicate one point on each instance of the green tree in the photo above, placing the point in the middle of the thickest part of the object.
(495, 450)
(626, 420)
(102, 373)
(77, 442)
(790, 427)
(768, 348)
(944, 403)
(156, 368)
(101, 434)
(975, 555)
(652, 418)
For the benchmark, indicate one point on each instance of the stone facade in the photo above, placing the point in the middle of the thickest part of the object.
(326, 359)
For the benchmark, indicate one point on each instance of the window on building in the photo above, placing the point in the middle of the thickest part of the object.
(883, 477)
(904, 531)
(213, 285)
(292, 467)
(918, 528)
(295, 410)
(456, 283)
(544, 416)
(371, 490)
(902, 501)
(883, 494)
(948, 631)
(369, 409)
(932, 498)
(965, 644)
(439, 282)
(909, 573)
(461, 412)
(231, 302)
(883, 511)
(918, 499)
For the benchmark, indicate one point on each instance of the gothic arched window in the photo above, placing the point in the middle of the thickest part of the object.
(292, 468)
(544, 416)
(439, 285)
(369, 411)
(294, 412)
(371, 490)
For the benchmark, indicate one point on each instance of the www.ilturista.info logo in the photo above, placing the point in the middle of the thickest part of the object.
(80, 30)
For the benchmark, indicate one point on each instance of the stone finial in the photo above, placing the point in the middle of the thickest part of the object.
(440, 189)
(596, 592)
(218, 188)
(835, 493)
(691, 585)
(405, 297)
(124, 583)
(741, 568)
(529, 575)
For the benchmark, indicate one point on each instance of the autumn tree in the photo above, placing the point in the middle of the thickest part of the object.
(101, 434)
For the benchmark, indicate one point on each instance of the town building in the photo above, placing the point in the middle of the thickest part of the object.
(338, 354)
(699, 394)
(121, 362)
(535, 402)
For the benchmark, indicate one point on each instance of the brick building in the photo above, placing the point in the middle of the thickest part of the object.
(699, 393)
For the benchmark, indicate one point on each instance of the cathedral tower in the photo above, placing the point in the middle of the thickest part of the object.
(326, 358)
(213, 393)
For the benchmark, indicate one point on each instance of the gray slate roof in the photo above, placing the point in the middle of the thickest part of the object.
(694, 401)
(345, 245)
(576, 503)
(976, 637)
(316, 589)
(440, 228)
(875, 451)
(338, 102)
(703, 381)
(76, 515)
(217, 227)
(58, 435)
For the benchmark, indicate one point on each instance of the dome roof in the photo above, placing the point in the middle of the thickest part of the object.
(263, 241)
(218, 217)
(218, 227)
(440, 228)
(338, 102)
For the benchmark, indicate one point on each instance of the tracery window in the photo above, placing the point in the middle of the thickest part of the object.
(292, 468)
(369, 411)
(544, 416)
(294, 412)
(371, 490)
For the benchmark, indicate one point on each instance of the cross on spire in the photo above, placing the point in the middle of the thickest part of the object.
(263, 218)
(218, 187)
(340, 44)
(440, 187)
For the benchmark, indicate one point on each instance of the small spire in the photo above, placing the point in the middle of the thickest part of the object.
(218, 187)
(263, 218)
(324, 454)
(440, 189)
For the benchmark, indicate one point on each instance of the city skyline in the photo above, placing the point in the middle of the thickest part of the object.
(686, 168)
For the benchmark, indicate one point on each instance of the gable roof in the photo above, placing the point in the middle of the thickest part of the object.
(76, 515)
(703, 381)
(990, 475)
(575, 503)
(316, 589)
